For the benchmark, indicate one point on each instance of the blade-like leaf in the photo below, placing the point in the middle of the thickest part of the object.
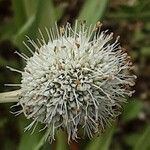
(131, 110)
(48, 14)
(30, 7)
(28, 141)
(43, 17)
(93, 10)
(102, 142)
(19, 13)
(143, 141)
(42, 141)
(61, 141)
(20, 36)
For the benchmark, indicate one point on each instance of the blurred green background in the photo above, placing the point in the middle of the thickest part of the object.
(128, 18)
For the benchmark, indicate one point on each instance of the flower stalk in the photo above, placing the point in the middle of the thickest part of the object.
(8, 97)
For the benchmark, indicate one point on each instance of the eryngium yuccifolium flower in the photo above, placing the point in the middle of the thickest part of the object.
(77, 80)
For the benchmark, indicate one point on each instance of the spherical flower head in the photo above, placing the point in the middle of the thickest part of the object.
(77, 80)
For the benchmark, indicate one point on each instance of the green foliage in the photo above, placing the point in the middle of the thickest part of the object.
(30, 7)
(96, 9)
(19, 13)
(139, 10)
(42, 141)
(102, 142)
(145, 51)
(43, 16)
(142, 142)
(61, 141)
(29, 140)
(24, 30)
(139, 140)
(131, 110)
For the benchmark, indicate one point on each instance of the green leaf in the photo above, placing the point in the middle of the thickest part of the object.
(102, 142)
(93, 10)
(7, 30)
(20, 36)
(147, 26)
(138, 11)
(28, 141)
(143, 140)
(61, 141)
(131, 110)
(48, 14)
(131, 138)
(44, 16)
(145, 51)
(30, 7)
(42, 141)
(19, 13)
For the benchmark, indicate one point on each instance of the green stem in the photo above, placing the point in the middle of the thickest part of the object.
(8, 97)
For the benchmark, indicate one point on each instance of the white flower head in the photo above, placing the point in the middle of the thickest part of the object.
(78, 79)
